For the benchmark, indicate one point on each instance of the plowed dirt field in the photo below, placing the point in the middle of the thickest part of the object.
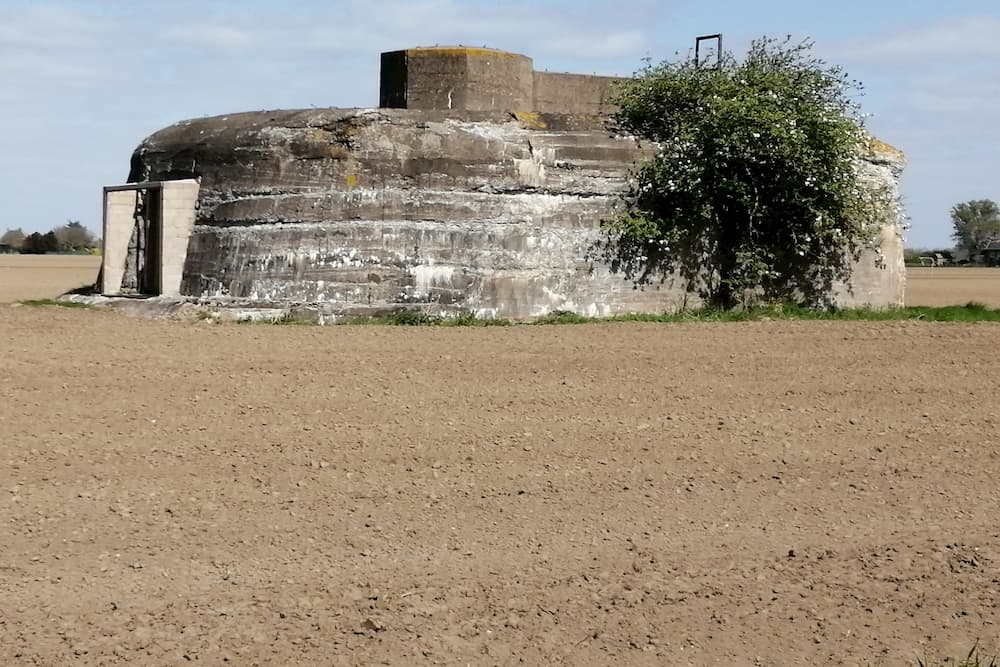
(44, 276)
(771, 493)
(952, 285)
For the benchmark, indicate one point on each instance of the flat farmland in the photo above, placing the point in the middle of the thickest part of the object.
(44, 276)
(950, 286)
(767, 493)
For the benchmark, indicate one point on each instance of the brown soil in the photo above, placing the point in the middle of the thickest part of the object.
(767, 493)
(44, 276)
(949, 286)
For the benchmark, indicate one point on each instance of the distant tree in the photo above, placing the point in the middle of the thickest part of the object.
(39, 244)
(71, 237)
(50, 242)
(13, 238)
(975, 222)
(32, 245)
(74, 237)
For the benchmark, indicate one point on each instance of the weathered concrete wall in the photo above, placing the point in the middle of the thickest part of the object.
(573, 93)
(119, 209)
(479, 79)
(178, 202)
(489, 212)
(456, 78)
(880, 277)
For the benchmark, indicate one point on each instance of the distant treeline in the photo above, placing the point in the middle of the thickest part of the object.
(911, 256)
(71, 237)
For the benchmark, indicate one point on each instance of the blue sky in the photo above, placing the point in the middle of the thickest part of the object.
(83, 81)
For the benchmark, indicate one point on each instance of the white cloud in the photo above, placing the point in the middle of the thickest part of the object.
(213, 36)
(958, 38)
(955, 100)
(26, 64)
(48, 54)
(352, 27)
(50, 26)
(603, 45)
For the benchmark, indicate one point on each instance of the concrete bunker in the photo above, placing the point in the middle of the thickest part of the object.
(478, 186)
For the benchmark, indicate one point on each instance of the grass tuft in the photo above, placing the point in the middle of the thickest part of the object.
(975, 658)
(471, 320)
(564, 317)
(411, 318)
(54, 302)
(288, 319)
(415, 318)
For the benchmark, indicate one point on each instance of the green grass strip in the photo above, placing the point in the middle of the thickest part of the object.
(971, 312)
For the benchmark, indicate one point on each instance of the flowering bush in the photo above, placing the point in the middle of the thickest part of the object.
(753, 192)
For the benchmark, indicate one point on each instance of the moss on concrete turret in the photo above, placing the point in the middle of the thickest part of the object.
(880, 151)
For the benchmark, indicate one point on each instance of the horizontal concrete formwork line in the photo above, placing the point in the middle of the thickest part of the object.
(338, 209)
(336, 229)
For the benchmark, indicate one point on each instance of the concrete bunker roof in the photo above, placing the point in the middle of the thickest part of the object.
(460, 51)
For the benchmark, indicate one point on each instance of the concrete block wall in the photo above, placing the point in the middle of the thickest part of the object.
(119, 209)
(178, 200)
(178, 203)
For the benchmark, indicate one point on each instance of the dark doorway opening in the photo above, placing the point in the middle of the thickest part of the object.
(142, 264)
